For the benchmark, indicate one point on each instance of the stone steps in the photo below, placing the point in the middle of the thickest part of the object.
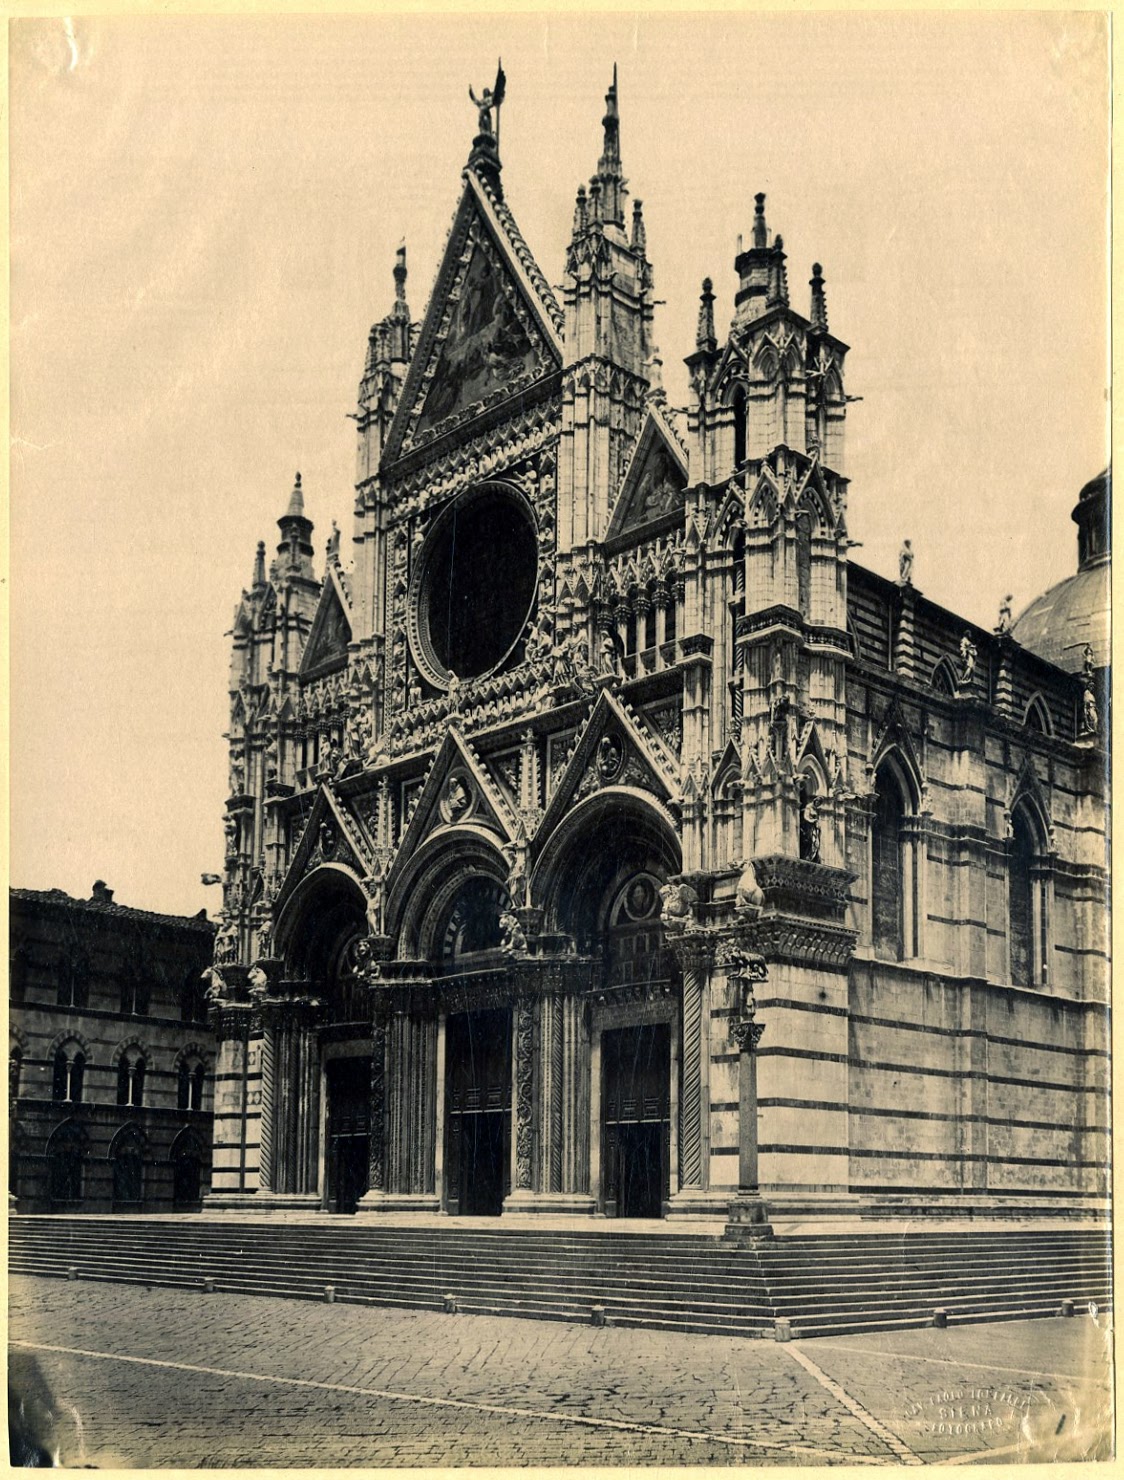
(815, 1285)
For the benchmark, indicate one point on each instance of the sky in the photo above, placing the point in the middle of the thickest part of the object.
(204, 216)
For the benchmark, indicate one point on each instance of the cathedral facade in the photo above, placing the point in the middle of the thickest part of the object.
(601, 838)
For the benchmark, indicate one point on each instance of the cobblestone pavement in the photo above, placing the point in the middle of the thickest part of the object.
(154, 1378)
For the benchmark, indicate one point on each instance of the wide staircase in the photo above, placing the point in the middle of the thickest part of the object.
(798, 1286)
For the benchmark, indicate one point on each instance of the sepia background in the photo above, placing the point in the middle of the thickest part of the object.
(204, 216)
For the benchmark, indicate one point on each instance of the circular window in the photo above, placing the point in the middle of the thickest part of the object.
(474, 585)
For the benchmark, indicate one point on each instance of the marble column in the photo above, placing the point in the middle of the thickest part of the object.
(409, 1093)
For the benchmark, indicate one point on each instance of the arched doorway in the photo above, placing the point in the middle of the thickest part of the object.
(477, 1057)
(188, 1158)
(602, 888)
(332, 1117)
(127, 1157)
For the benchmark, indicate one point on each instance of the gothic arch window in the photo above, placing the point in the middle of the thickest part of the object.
(943, 680)
(738, 406)
(650, 635)
(69, 1074)
(1027, 899)
(131, 1070)
(66, 1155)
(1037, 717)
(127, 1157)
(894, 867)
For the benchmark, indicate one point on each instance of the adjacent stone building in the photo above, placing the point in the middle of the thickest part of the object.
(602, 838)
(110, 1059)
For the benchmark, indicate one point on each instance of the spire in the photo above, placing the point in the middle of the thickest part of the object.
(609, 165)
(706, 341)
(259, 565)
(296, 533)
(639, 235)
(778, 277)
(581, 212)
(819, 301)
(760, 230)
(296, 502)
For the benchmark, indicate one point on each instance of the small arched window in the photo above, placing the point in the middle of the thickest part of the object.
(69, 1074)
(15, 1068)
(130, 1078)
(134, 995)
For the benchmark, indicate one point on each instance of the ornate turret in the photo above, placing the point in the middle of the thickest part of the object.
(818, 311)
(294, 553)
(762, 280)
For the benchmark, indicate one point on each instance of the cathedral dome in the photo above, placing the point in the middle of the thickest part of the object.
(1058, 624)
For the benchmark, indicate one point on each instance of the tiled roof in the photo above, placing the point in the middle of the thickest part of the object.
(60, 898)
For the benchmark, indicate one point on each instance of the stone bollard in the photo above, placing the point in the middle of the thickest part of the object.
(330, 1294)
(782, 1330)
(598, 1317)
(449, 1303)
(1067, 1308)
(209, 1284)
(72, 1271)
(940, 1317)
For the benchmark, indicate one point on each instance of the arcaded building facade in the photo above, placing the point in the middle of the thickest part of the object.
(110, 1057)
(601, 838)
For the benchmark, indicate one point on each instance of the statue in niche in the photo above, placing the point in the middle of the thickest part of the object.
(905, 564)
(237, 777)
(609, 666)
(230, 828)
(258, 983)
(271, 758)
(810, 831)
(1088, 666)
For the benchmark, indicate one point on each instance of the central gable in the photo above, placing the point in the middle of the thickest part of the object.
(488, 333)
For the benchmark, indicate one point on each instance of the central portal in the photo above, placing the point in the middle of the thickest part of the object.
(636, 1119)
(478, 1112)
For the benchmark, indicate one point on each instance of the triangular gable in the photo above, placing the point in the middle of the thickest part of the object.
(894, 735)
(489, 331)
(326, 649)
(631, 757)
(330, 836)
(1027, 784)
(729, 764)
(732, 364)
(457, 792)
(655, 479)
